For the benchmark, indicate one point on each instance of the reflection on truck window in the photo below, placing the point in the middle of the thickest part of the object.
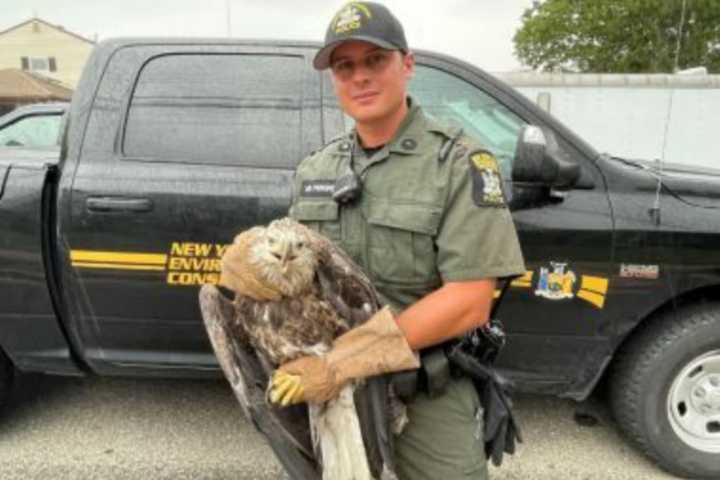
(219, 109)
(31, 131)
(454, 101)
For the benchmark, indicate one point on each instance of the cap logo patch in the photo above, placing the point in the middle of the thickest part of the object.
(351, 17)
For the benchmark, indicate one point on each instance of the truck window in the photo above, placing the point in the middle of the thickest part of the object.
(32, 131)
(455, 101)
(227, 109)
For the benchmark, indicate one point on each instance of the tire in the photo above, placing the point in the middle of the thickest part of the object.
(665, 390)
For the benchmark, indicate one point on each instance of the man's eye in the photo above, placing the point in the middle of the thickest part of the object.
(342, 66)
(374, 60)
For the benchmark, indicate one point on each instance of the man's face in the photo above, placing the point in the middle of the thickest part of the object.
(370, 82)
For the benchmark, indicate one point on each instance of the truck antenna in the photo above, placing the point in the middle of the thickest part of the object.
(227, 17)
(679, 37)
(655, 209)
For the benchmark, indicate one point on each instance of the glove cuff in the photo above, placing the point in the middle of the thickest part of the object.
(377, 346)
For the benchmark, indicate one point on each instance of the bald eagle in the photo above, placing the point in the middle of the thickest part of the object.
(295, 291)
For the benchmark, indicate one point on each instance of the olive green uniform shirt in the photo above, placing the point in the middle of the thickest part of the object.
(431, 210)
(421, 219)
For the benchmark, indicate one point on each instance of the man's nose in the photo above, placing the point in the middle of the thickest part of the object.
(361, 73)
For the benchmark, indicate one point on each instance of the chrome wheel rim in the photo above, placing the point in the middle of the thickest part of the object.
(694, 403)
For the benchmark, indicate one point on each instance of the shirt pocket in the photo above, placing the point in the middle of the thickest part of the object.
(401, 245)
(323, 216)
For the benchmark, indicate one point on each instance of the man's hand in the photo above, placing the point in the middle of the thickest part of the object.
(375, 347)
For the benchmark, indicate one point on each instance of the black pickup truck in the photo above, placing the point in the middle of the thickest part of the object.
(170, 147)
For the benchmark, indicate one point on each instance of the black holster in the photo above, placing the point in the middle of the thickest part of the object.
(432, 377)
(470, 357)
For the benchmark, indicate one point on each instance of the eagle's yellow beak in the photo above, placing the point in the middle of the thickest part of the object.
(285, 254)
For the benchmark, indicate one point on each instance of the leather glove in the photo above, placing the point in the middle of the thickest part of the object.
(375, 347)
(501, 430)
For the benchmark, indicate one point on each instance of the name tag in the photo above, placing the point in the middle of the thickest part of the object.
(317, 188)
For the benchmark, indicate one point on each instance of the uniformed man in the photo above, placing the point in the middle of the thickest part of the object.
(420, 208)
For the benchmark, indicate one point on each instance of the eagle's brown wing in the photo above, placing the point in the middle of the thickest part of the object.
(342, 282)
(287, 429)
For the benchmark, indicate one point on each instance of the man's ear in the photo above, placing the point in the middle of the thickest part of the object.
(409, 64)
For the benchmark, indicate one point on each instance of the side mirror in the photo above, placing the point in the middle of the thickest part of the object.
(539, 160)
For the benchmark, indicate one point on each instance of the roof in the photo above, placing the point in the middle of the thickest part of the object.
(56, 27)
(636, 80)
(21, 86)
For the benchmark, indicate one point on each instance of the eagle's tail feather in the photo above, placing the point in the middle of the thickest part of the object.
(339, 438)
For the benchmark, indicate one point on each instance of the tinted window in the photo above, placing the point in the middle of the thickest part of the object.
(224, 109)
(32, 131)
(457, 102)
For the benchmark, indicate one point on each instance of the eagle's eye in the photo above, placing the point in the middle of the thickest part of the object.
(271, 240)
(277, 255)
(300, 244)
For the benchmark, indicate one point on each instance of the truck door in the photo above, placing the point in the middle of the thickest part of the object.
(186, 146)
(555, 313)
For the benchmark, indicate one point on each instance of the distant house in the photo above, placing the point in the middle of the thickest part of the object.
(41, 47)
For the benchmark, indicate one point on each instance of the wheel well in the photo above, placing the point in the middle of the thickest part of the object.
(698, 295)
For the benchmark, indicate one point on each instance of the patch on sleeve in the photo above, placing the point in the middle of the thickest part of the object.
(486, 183)
(317, 188)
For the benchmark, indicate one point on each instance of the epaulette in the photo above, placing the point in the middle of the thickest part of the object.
(342, 136)
(448, 144)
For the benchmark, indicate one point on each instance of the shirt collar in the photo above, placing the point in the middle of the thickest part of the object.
(408, 135)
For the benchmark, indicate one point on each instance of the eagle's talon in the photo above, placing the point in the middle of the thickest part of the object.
(285, 389)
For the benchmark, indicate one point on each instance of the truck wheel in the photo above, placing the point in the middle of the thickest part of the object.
(665, 390)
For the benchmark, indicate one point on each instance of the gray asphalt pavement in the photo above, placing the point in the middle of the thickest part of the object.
(102, 428)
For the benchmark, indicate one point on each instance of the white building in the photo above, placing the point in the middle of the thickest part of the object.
(642, 116)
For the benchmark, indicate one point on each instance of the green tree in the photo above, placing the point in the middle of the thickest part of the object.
(630, 36)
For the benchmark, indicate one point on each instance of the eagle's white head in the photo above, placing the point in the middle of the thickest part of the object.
(283, 256)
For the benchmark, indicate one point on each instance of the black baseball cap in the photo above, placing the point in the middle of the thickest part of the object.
(366, 21)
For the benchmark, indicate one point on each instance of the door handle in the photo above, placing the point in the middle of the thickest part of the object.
(119, 204)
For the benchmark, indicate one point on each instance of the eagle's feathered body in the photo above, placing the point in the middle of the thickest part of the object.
(295, 293)
(289, 328)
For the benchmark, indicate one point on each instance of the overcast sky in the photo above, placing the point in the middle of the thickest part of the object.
(479, 31)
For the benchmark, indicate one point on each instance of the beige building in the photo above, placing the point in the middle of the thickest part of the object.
(40, 47)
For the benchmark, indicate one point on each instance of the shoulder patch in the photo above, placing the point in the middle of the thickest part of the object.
(486, 182)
